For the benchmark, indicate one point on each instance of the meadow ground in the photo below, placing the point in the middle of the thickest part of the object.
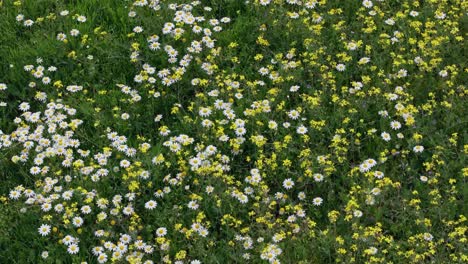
(226, 131)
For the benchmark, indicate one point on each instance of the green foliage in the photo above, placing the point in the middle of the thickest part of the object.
(375, 158)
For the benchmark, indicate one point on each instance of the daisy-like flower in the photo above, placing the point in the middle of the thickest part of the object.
(14, 194)
(294, 88)
(371, 162)
(375, 191)
(102, 258)
(265, 2)
(427, 237)
(107, 245)
(364, 167)
(418, 149)
(385, 136)
(35, 170)
(240, 131)
(61, 36)
(68, 240)
(97, 250)
(395, 125)
(378, 174)
(364, 60)
(125, 163)
(263, 71)
(318, 177)
(148, 249)
(121, 247)
(440, 15)
(128, 210)
(196, 226)
(243, 198)
(203, 232)
(125, 238)
(390, 22)
(125, 116)
(193, 205)
(151, 204)
(137, 29)
(24, 106)
(414, 13)
(77, 221)
(28, 23)
(352, 46)
(372, 250)
(357, 213)
(340, 67)
(443, 73)
(58, 208)
(288, 183)
(204, 111)
(210, 150)
(160, 232)
(317, 201)
(301, 130)
(44, 230)
(154, 46)
(100, 232)
(81, 19)
(209, 189)
(272, 124)
(293, 114)
(73, 249)
(46, 80)
(74, 32)
(86, 209)
(367, 3)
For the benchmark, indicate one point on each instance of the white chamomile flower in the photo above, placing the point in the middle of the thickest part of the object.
(317, 201)
(386, 136)
(160, 232)
(288, 183)
(44, 230)
(151, 204)
(301, 130)
(418, 149)
(73, 249)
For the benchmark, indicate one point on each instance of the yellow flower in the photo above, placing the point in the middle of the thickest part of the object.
(181, 255)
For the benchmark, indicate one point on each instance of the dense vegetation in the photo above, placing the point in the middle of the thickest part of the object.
(226, 131)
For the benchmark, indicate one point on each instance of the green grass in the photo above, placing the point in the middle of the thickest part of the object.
(344, 127)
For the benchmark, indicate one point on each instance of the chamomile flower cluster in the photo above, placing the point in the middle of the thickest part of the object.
(281, 131)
